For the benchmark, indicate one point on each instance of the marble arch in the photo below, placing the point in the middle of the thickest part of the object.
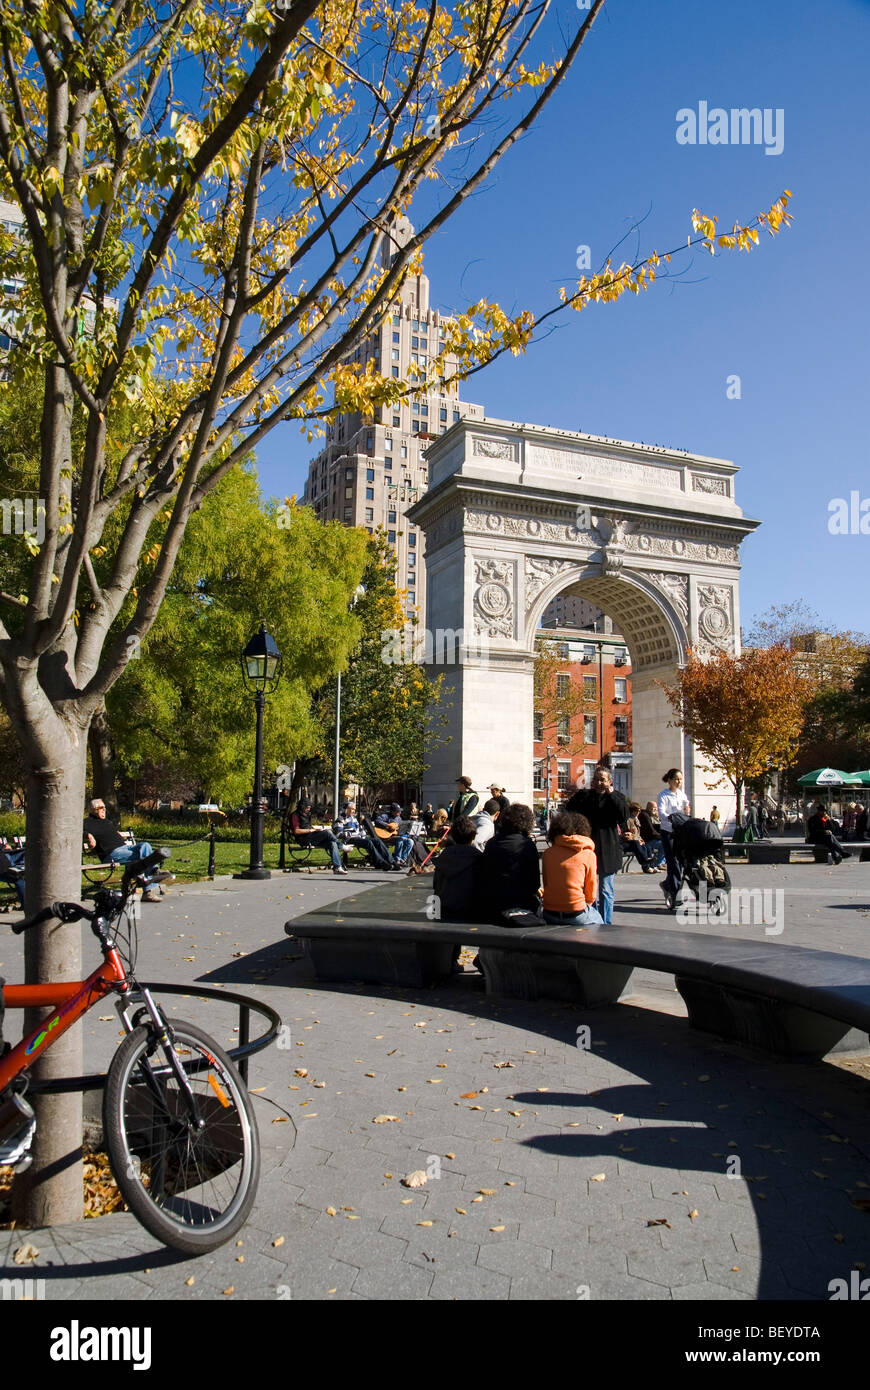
(516, 514)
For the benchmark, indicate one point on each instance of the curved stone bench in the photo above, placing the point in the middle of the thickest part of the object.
(790, 1000)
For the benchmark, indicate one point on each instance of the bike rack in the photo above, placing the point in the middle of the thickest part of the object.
(239, 1054)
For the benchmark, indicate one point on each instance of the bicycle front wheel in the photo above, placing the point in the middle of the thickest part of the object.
(185, 1152)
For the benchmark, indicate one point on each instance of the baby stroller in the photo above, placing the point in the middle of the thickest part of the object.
(700, 853)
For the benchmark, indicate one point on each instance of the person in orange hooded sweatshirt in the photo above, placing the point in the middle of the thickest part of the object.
(570, 873)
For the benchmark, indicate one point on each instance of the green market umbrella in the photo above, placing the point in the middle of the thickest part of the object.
(831, 777)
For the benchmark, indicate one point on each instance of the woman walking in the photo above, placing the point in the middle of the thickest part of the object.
(672, 799)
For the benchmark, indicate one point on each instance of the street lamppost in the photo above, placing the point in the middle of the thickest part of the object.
(336, 770)
(547, 809)
(261, 669)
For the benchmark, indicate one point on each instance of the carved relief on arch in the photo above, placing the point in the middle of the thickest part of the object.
(676, 588)
(540, 572)
(715, 617)
(494, 597)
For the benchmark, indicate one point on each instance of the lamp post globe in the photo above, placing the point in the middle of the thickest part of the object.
(261, 670)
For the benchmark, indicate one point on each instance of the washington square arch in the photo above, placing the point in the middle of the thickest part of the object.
(517, 514)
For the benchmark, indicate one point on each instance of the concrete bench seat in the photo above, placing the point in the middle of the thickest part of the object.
(789, 1000)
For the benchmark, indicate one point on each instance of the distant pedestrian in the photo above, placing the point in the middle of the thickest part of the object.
(465, 802)
(499, 796)
(820, 832)
(672, 799)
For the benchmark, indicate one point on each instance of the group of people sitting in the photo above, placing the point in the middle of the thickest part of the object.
(503, 879)
(393, 841)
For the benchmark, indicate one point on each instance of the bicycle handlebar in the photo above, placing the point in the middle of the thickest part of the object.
(65, 912)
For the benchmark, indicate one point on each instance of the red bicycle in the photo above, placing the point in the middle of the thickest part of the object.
(178, 1124)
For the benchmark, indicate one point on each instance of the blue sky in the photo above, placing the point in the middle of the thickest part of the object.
(790, 318)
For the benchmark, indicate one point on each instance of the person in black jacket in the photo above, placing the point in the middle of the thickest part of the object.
(607, 812)
(509, 878)
(819, 832)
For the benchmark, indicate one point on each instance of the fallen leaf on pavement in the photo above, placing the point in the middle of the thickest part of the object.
(468, 1095)
(496, 1228)
(279, 1240)
(660, 1221)
(384, 1119)
(416, 1179)
(25, 1255)
(693, 1213)
(598, 1177)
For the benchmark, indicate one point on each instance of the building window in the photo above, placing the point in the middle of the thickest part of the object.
(620, 690)
(388, 444)
(414, 343)
(370, 494)
(538, 775)
(563, 729)
(588, 654)
(370, 514)
(442, 413)
(347, 513)
(348, 494)
(395, 371)
(391, 516)
(563, 774)
(455, 416)
(404, 451)
(412, 539)
(424, 409)
(590, 728)
(388, 464)
(348, 475)
(391, 537)
(590, 685)
(563, 685)
(397, 420)
(412, 597)
(370, 530)
(370, 442)
(396, 339)
(539, 727)
(424, 343)
(395, 355)
(620, 729)
(620, 656)
(370, 475)
(415, 426)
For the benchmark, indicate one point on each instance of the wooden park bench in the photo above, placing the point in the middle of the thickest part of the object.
(790, 1000)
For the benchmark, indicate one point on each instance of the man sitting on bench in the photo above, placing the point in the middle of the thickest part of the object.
(104, 837)
(12, 869)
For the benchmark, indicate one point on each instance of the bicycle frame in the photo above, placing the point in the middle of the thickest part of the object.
(71, 999)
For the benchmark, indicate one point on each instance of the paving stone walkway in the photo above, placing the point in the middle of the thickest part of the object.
(650, 1162)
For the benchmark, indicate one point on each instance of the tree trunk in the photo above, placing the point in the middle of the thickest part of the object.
(50, 1191)
(103, 763)
(738, 786)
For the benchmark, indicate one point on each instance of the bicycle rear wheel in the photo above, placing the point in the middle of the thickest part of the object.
(191, 1184)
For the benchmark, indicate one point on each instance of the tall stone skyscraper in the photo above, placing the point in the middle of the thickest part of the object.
(371, 470)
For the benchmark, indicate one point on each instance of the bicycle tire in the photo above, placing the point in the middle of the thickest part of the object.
(192, 1190)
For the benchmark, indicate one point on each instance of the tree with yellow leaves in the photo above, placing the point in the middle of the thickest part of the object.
(207, 191)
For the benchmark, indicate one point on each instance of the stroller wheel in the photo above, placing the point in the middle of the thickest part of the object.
(717, 902)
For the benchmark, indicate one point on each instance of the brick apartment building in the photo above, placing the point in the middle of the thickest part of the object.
(571, 746)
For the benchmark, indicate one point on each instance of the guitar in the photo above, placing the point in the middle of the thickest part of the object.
(387, 834)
